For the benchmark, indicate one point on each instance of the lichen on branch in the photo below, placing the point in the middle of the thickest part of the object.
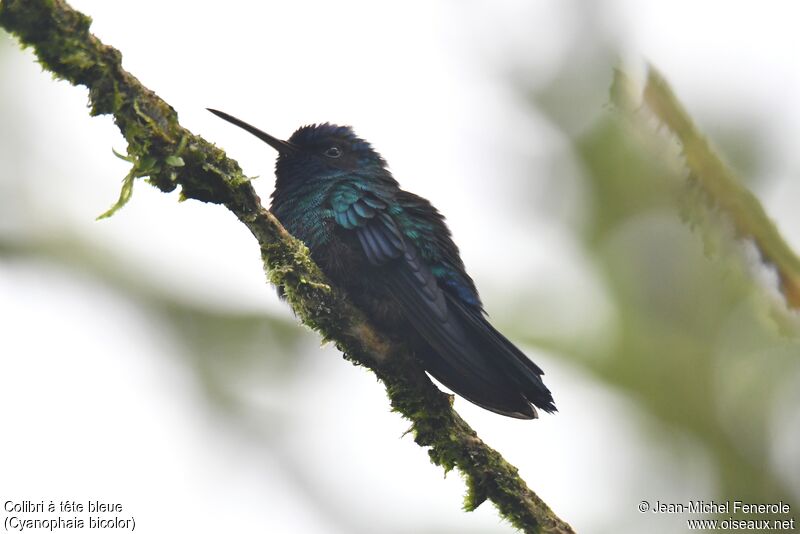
(170, 156)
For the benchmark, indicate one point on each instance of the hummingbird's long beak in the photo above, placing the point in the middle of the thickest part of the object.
(284, 147)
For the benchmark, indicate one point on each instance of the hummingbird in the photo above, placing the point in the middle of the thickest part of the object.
(392, 253)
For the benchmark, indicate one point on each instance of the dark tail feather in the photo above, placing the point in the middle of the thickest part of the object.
(451, 353)
(499, 377)
(494, 346)
(492, 392)
(462, 350)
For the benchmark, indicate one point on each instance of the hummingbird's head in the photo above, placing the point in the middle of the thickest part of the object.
(318, 151)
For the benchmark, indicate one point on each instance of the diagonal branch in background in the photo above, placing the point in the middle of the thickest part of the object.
(722, 188)
(171, 156)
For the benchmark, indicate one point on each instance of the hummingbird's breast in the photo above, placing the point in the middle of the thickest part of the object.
(343, 261)
(308, 215)
(305, 216)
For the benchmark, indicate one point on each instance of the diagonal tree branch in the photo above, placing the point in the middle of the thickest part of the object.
(724, 189)
(720, 187)
(171, 156)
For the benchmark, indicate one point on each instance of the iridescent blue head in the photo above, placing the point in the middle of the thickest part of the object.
(319, 151)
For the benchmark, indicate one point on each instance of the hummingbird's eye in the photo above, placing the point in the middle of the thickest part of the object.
(333, 152)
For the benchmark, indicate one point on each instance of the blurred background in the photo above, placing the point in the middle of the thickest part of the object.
(145, 360)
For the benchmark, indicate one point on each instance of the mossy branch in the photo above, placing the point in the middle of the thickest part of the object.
(171, 156)
(721, 188)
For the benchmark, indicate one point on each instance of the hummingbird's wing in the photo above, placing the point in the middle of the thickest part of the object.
(433, 236)
(465, 358)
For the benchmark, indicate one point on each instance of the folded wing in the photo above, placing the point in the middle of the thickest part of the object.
(465, 352)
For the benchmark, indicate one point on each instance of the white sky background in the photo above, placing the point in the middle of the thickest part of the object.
(118, 419)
